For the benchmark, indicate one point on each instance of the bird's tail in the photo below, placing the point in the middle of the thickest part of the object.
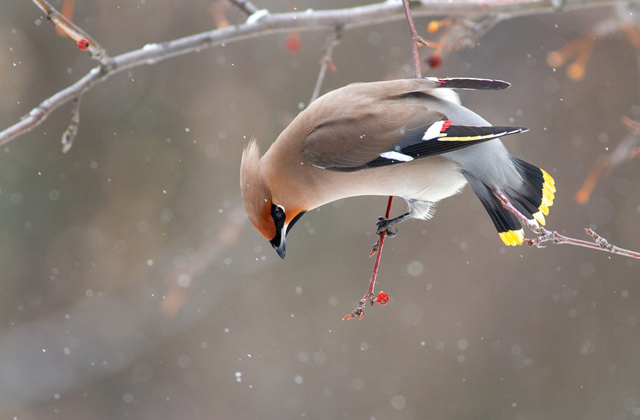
(532, 198)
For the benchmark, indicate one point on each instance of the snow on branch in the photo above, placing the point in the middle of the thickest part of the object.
(261, 23)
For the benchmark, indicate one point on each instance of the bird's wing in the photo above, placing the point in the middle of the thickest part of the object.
(350, 140)
(440, 137)
(356, 128)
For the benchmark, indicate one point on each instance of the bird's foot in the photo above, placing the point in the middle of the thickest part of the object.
(386, 225)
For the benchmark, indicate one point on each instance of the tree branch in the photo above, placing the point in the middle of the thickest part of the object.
(261, 24)
(246, 6)
(72, 130)
(548, 235)
(415, 39)
(84, 40)
(382, 297)
(326, 61)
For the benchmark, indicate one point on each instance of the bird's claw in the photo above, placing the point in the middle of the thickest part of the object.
(385, 225)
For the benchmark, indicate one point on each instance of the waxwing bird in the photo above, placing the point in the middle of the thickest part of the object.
(402, 138)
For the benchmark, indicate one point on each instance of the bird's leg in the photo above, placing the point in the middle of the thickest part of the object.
(385, 225)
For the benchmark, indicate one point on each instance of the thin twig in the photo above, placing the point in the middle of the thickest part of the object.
(477, 29)
(348, 18)
(327, 60)
(42, 111)
(75, 32)
(245, 5)
(545, 235)
(415, 39)
(72, 130)
(359, 311)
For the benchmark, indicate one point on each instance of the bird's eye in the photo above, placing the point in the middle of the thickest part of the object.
(278, 212)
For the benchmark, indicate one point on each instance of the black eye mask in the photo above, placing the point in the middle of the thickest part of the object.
(279, 216)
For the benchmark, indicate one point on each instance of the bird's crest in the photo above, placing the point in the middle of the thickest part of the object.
(255, 194)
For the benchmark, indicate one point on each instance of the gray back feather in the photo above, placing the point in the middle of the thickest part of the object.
(489, 161)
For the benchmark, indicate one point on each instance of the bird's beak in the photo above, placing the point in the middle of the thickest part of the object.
(280, 247)
(278, 242)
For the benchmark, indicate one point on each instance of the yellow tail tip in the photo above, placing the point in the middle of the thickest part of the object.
(548, 194)
(512, 237)
(539, 218)
(548, 181)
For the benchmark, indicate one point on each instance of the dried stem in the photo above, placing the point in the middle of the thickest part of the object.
(547, 235)
(72, 130)
(327, 60)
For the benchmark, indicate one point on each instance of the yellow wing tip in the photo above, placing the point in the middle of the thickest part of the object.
(512, 237)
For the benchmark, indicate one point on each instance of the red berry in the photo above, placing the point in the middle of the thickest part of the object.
(292, 43)
(434, 61)
(83, 44)
(382, 298)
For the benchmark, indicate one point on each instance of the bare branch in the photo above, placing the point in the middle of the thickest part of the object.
(326, 61)
(548, 235)
(246, 6)
(84, 40)
(382, 297)
(266, 23)
(42, 111)
(415, 39)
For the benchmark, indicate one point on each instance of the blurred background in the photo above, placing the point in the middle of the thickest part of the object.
(133, 285)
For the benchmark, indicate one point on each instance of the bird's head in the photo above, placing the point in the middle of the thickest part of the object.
(267, 215)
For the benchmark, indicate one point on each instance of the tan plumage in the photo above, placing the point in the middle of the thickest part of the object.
(383, 138)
